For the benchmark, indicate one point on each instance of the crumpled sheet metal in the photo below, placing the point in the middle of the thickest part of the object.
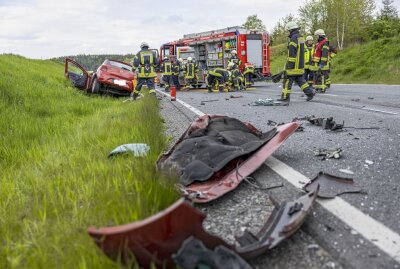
(226, 181)
(329, 153)
(155, 239)
(270, 102)
(331, 186)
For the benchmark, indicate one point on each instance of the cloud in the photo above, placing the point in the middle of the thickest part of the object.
(48, 28)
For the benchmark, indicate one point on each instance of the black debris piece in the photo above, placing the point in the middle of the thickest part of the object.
(331, 186)
(193, 255)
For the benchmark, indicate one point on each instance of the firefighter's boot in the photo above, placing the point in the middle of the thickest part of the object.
(309, 92)
(209, 89)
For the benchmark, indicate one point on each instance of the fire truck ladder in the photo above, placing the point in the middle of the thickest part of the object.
(265, 54)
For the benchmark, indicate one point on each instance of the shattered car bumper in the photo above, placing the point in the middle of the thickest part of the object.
(156, 239)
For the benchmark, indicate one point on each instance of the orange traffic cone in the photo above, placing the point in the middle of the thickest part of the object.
(173, 92)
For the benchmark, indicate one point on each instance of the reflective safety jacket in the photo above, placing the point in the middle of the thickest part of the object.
(145, 61)
(248, 69)
(176, 69)
(308, 56)
(295, 60)
(190, 70)
(235, 60)
(220, 72)
(166, 68)
(321, 54)
(236, 73)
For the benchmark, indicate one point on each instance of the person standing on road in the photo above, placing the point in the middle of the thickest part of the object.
(308, 56)
(190, 72)
(332, 54)
(175, 75)
(248, 73)
(166, 70)
(294, 68)
(320, 61)
(144, 63)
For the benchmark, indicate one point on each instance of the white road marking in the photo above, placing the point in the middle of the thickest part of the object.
(378, 110)
(374, 231)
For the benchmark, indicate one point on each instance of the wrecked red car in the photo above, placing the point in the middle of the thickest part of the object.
(112, 77)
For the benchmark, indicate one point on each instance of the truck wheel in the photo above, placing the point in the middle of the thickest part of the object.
(95, 86)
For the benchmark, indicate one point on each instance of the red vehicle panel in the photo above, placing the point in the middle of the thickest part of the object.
(114, 77)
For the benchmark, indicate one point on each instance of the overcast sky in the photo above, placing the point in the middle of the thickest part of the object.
(49, 28)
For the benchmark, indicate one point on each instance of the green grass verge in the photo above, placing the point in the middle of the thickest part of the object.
(55, 177)
(376, 62)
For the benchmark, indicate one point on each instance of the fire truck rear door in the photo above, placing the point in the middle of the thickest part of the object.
(254, 50)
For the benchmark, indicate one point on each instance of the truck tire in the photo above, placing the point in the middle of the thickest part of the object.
(95, 86)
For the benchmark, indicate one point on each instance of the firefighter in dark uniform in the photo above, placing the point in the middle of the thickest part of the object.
(234, 58)
(175, 75)
(320, 61)
(248, 73)
(308, 56)
(217, 78)
(190, 71)
(236, 78)
(294, 68)
(166, 70)
(144, 63)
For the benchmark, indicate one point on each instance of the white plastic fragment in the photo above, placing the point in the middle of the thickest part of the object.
(138, 150)
(347, 171)
(369, 162)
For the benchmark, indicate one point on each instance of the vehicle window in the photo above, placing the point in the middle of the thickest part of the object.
(120, 65)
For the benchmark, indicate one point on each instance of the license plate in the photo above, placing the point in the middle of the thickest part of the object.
(120, 82)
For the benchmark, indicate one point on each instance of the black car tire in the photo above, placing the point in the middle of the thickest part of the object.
(95, 86)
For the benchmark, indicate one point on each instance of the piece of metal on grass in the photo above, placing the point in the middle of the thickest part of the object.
(331, 186)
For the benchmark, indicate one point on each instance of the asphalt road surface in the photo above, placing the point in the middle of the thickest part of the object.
(358, 230)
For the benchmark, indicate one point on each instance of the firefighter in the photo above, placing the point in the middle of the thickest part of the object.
(166, 70)
(248, 73)
(308, 56)
(236, 80)
(175, 75)
(217, 78)
(145, 62)
(234, 58)
(320, 61)
(332, 54)
(190, 71)
(294, 68)
(181, 76)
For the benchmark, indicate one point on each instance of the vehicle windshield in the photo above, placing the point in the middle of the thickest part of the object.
(118, 64)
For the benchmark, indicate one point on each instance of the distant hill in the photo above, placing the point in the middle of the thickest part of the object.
(91, 62)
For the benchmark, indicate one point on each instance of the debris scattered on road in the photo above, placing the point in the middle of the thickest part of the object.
(269, 102)
(138, 150)
(155, 240)
(329, 153)
(346, 171)
(223, 152)
(369, 162)
(326, 123)
(193, 254)
(356, 99)
(236, 96)
(203, 102)
(331, 186)
(371, 98)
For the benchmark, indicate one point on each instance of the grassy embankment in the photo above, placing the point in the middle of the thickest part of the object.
(374, 62)
(55, 177)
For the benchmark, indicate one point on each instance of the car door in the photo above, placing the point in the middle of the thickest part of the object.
(79, 77)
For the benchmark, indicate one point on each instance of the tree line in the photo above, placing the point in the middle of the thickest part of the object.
(92, 62)
(345, 21)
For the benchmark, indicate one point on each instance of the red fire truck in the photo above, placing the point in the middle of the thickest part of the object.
(213, 49)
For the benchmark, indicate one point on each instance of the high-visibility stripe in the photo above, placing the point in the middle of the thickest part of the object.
(291, 59)
(292, 44)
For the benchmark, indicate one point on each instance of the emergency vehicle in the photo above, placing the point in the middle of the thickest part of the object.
(213, 49)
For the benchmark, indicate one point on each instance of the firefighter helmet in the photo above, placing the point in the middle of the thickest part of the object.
(180, 60)
(166, 58)
(292, 25)
(231, 65)
(189, 59)
(144, 45)
(233, 52)
(309, 38)
(320, 32)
